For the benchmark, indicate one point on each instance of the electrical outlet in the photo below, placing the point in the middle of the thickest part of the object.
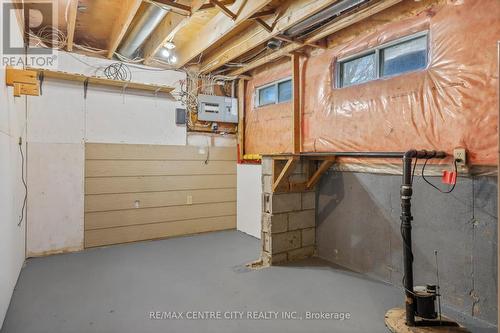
(189, 200)
(460, 156)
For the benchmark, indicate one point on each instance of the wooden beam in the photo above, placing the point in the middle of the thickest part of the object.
(241, 117)
(71, 24)
(296, 114)
(331, 28)
(128, 10)
(325, 165)
(182, 7)
(285, 173)
(217, 28)
(59, 75)
(289, 14)
(224, 9)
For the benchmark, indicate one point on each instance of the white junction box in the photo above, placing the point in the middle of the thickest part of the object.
(218, 108)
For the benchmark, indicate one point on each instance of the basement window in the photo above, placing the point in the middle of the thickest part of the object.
(273, 93)
(400, 56)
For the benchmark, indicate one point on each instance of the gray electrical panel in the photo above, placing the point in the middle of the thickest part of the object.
(217, 108)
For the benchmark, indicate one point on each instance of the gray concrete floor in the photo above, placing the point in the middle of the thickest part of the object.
(114, 289)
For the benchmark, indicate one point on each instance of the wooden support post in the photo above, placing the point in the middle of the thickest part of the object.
(296, 114)
(241, 117)
(325, 165)
(285, 173)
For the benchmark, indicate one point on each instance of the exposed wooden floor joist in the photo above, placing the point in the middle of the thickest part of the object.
(217, 28)
(237, 46)
(323, 32)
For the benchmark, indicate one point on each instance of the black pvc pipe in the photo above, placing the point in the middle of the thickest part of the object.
(389, 154)
(406, 218)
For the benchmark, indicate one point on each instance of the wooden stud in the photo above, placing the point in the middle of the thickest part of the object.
(128, 10)
(296, 124)
(71, 25)
(241, 117)
(224, 9)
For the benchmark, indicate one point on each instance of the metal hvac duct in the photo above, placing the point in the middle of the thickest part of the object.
(145, 25)
(318, 19)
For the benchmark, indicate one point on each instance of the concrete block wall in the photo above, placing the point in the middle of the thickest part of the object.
(288, 218)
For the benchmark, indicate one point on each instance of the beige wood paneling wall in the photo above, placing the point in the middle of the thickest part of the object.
(140, 192)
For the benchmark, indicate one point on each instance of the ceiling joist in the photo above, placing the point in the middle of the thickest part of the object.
(128, 10)
(288, 16)
(217, 28)
(329, 29)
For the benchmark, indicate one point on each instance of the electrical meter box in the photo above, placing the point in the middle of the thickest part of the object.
(217, 108)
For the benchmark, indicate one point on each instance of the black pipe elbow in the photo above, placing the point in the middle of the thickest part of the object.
(410, 154)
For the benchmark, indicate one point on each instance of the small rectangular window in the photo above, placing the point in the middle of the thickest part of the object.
(267, 95)
(398, 57)
(285, 91)
(277, 92)
(358, 70)
(404, 57)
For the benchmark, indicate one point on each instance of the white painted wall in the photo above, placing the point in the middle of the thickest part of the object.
(61, 121)
(249, 199)
(12, 126)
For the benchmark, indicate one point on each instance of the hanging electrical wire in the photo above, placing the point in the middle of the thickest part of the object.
(25, 185)
(434, 186)
(118, 71)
